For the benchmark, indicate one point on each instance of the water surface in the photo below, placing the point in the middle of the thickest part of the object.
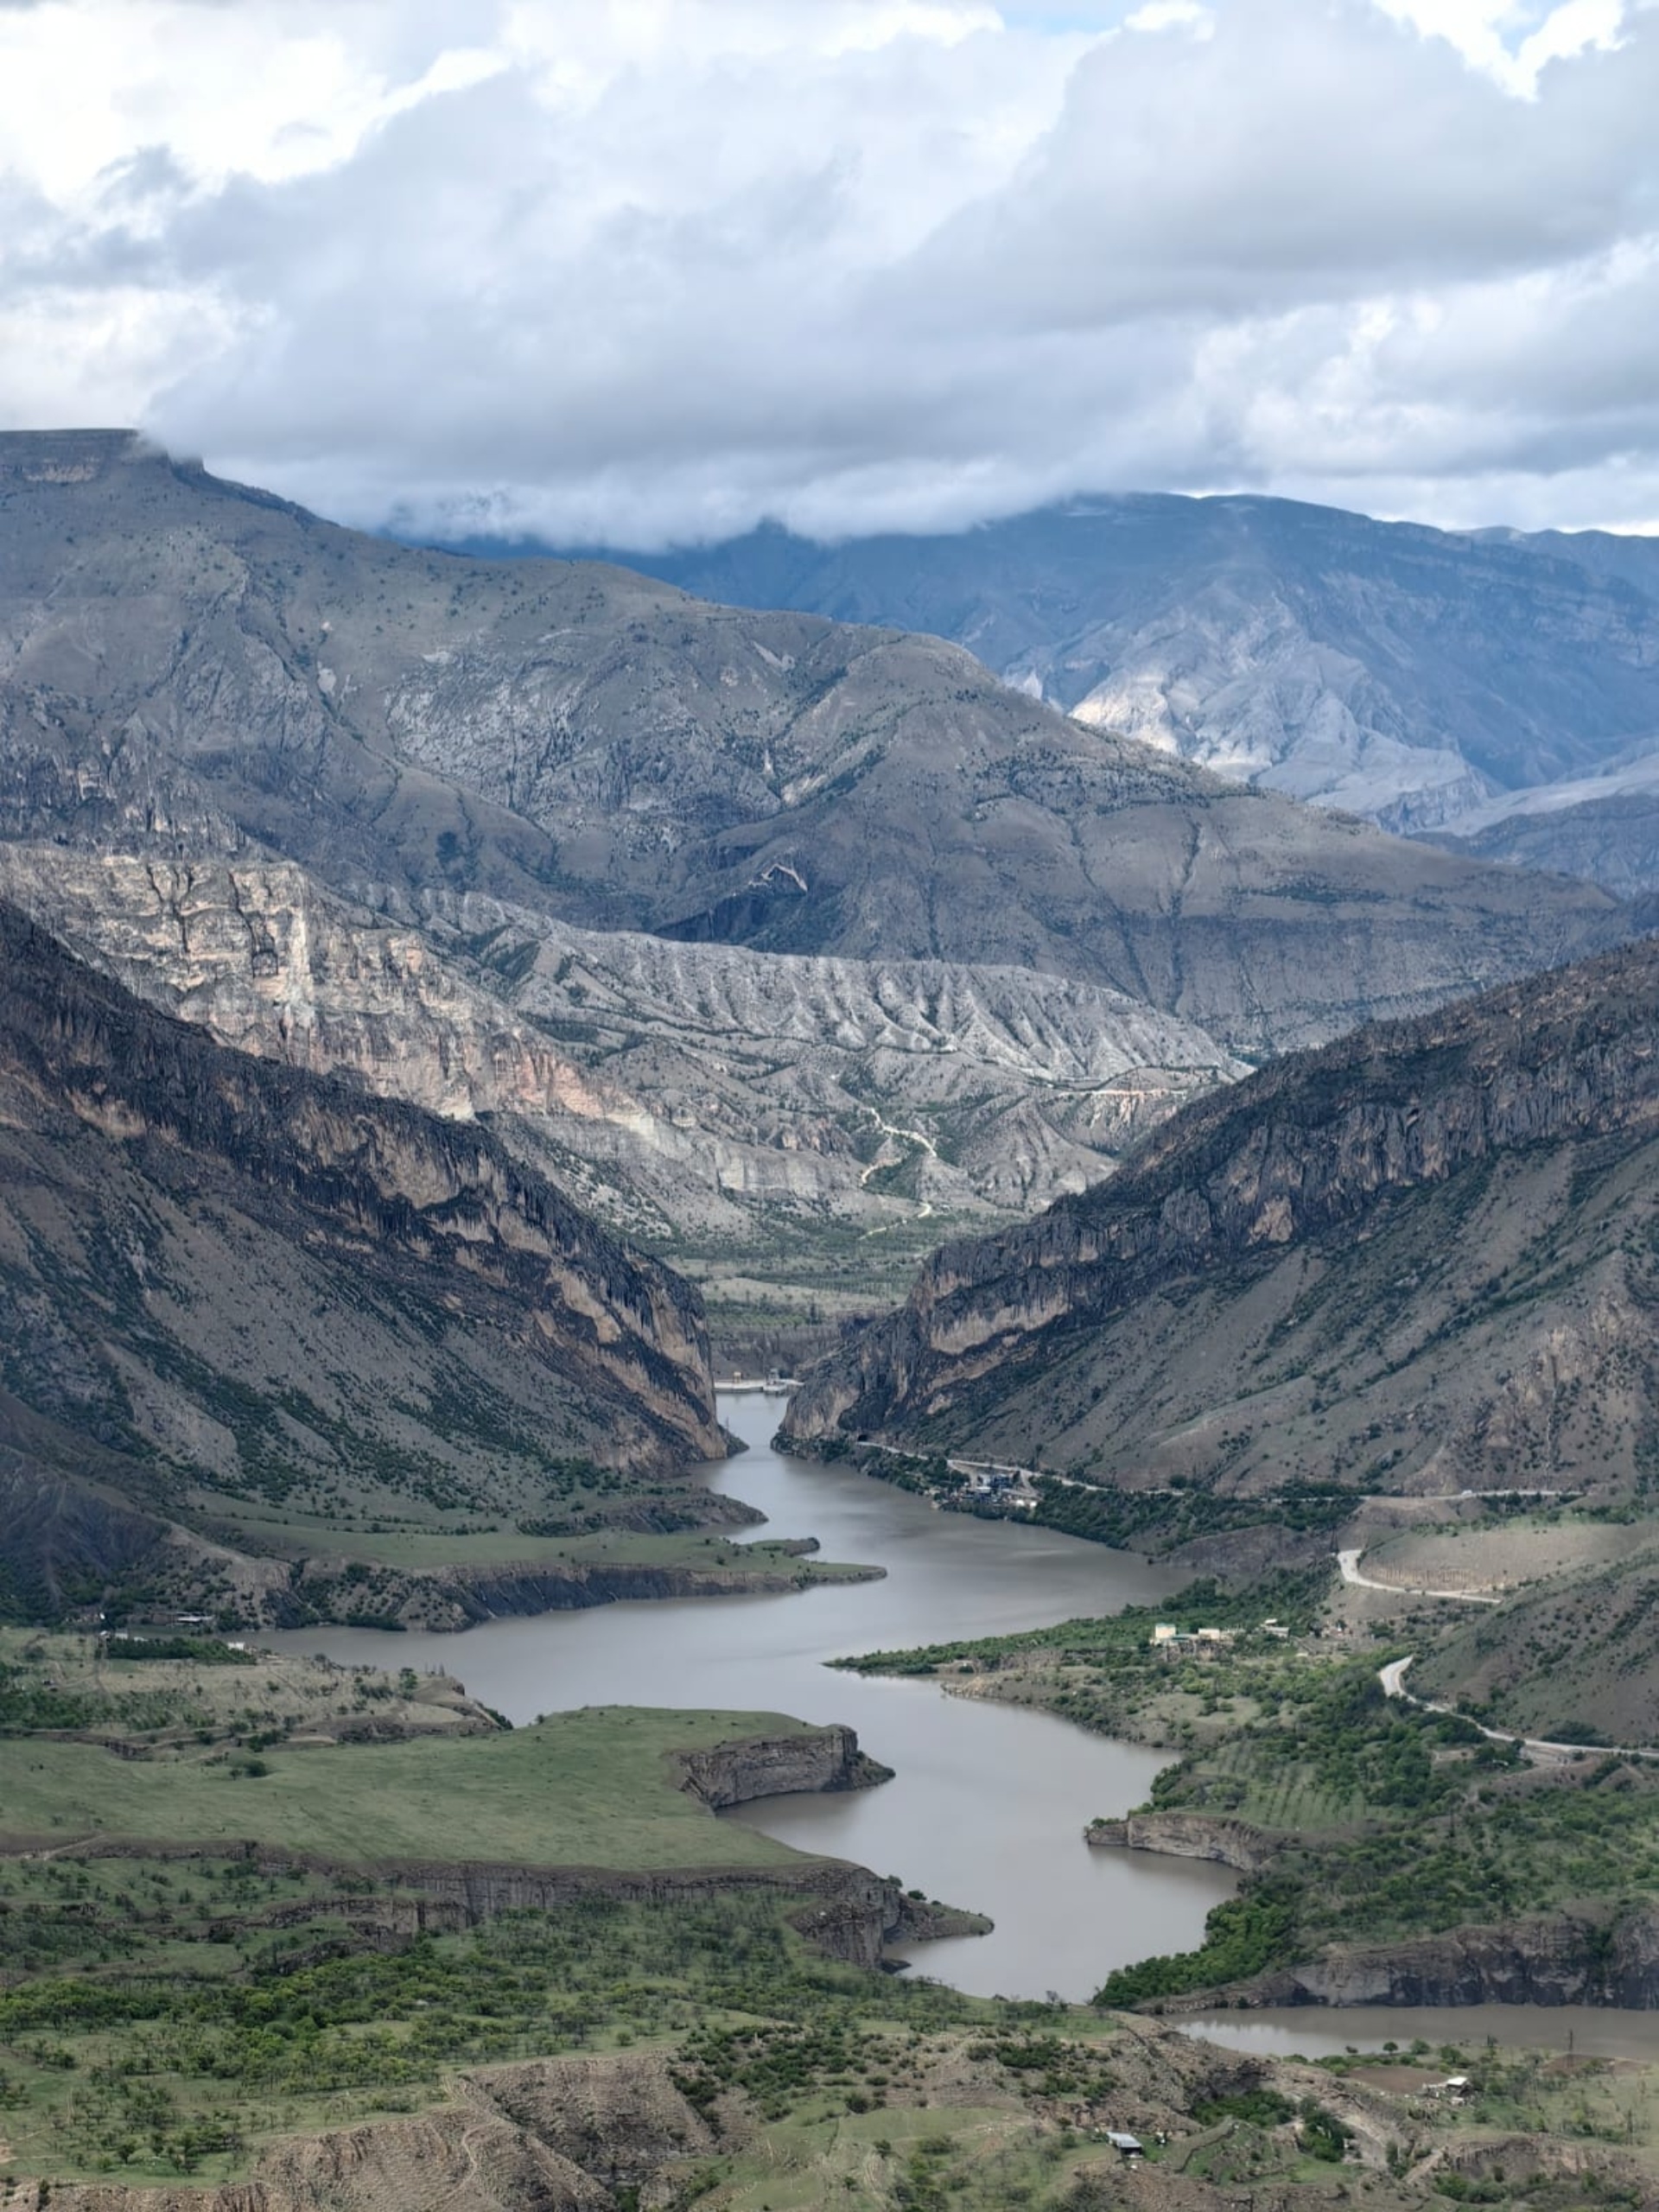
(988, 1802)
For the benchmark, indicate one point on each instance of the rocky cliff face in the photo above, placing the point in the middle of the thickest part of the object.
(184, 659)
(751, 929)
(1392, 1257)
(781, 1766)
(681, 1090)
(847, 1912)
(460, 1597)
(1186, 1836)
(259, 954)
(223, 1280)
(1607, 1960)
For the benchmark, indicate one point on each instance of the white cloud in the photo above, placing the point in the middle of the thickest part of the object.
(1513, 41)
(630, 269)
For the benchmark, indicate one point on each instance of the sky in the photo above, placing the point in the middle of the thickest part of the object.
(635, 272)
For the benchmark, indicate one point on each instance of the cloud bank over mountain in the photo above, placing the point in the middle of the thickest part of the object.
(637, 271)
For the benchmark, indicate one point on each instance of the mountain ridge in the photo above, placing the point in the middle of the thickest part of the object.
(1411, 675)
(1411, 1259)
(230, 1288)
(439, 783)
(185, 661)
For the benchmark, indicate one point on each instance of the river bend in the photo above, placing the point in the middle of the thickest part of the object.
(989, 1802)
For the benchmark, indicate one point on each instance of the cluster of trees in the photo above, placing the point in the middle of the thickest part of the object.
(1243, 1935)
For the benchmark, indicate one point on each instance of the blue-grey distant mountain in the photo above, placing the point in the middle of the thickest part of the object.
(760, 931)
(1423, 678)
(189, 661)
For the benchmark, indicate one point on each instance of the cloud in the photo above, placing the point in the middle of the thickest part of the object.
(634, 270)
(1485, 32)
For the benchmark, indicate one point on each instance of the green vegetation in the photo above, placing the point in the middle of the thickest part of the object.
(1159, 1521)
(1242, 1936)
(161, 2017)
(790, 1266)
(1105, 1674)
(1256, 2107)
(389, 1573)
(185, 1698)
(173, 2009)
(596, 1787)
(1152, 1521)
(1386, 1821)
(1399, 1823)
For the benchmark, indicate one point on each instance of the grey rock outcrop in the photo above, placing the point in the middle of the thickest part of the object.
(1401, 672)
(1389, 1259)
(780, 1766)
(1564, 1960)
(674, 1087)
(749, 928)
(220, 1278)
(207, 664)
(849, 1913)
(1186, 1836)
(1605, 830)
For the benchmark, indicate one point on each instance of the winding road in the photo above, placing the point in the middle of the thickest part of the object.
(1393, 1679)
(1349, 1562)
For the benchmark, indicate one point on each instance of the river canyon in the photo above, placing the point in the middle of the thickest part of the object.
(987, 1803)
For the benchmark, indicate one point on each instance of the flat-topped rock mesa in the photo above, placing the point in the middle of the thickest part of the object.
(189, 662)
(221, 1277)
(781, 1766)
(1414, 1260)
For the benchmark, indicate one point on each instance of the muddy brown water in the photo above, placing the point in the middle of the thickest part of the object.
(989, 1802)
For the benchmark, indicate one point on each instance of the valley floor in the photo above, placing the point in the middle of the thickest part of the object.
(341, 1932)
(344, 2025)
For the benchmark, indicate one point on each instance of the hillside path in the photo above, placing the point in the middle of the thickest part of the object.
(1349, 1562)
(1393, 1679)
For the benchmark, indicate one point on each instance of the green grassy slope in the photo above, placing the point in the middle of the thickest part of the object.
(596, 1787)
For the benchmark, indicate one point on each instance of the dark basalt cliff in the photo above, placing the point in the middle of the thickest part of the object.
(1610, 1959)
(1416, 1238)
(224, 1280)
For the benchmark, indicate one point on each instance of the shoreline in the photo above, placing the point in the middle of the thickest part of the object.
(1549, 1963)
(1301, 1731)
(686, 1771)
